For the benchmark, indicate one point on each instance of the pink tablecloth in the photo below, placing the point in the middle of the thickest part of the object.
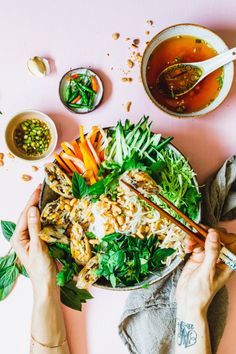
(79, 33)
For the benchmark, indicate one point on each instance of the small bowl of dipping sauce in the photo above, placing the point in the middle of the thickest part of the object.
(186, 43)
(31, 135)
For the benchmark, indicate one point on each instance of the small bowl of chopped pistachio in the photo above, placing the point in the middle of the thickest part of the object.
(31, 135)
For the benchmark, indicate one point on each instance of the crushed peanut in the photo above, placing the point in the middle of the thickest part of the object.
(1, 163)
(1, 155)
(34, 168)
(136, 41)
(147, 33)
(130, 63)
(115, 36)
(150, 22)
(26, 178)
(128, 106)
(126, 79)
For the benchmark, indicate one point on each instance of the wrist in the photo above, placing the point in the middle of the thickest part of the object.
(194, 312)
(45, 290)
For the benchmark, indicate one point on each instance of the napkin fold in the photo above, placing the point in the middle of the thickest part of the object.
(147, 325)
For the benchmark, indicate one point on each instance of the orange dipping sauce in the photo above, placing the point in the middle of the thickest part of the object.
(183, 49)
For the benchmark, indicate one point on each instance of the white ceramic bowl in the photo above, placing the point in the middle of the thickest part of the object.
(22, 116)
(196, 31)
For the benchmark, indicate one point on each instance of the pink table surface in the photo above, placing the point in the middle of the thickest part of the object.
(79, 33)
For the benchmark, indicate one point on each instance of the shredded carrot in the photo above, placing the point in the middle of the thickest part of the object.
(61, 163)
(77, 149)
(81, 133)
(66, 149)
(74, 76)
(76, 99)
(102, 155)
(70, 164)
(89, 161)
(94, 83)
(93, 136)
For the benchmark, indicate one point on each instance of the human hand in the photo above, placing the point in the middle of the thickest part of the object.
(30, 249)
(203, 275)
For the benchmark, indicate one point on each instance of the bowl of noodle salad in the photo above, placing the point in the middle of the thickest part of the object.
(99, 230)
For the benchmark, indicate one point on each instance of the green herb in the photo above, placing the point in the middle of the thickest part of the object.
(197, 40)
(220, 80)
(90, 235)
(126, 260)
(73, 297)
(8, 274)
(79, 186)
(62, 253)
(177, 185)
(178, 59)
(8, 229)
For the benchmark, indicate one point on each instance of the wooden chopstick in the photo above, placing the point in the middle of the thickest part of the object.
(225, 255)
(196, 226)
(184, 228)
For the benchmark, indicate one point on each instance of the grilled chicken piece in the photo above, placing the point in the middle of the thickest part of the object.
(87, 275)
(52, 234)
(58, 181)
(57, 213)
(79, 244)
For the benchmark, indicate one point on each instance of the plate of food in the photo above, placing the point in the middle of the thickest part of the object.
(99, 230)
(81, 90)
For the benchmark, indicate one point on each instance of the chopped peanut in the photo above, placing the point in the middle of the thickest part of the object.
(115, 36)
(26, 178)
(34, 168)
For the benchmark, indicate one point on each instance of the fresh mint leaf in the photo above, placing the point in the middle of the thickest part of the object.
(97, 189)
(8, 276)
(65, 275)
(4, 292)
(8, 229)
(79, 186)
(22, 270)
(73, 297)
(90, 235)
(7, 261)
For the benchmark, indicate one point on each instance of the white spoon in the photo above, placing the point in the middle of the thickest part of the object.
(178, 79)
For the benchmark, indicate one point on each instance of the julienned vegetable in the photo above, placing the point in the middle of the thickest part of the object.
(81, 91)
(32, 136)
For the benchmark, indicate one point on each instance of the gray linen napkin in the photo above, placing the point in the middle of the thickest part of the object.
(147, 324)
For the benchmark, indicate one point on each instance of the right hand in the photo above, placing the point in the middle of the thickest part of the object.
(30, 249)
(203, 275)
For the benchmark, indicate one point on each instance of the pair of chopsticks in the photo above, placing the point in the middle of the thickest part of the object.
(225, 255)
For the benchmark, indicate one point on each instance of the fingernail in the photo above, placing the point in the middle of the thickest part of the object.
(213, 236)
(39, 186)
(32, 212)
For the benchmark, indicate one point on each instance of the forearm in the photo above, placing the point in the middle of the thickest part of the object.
(48, 328)
(192, 332)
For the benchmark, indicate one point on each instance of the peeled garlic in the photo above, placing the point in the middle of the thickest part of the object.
(38, 66)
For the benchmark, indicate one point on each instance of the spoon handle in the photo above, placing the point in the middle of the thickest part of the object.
(216, 62)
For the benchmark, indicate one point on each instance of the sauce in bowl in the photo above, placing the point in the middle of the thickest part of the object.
(183, 49)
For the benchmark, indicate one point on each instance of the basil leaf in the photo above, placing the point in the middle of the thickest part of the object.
(7, 261)
(4, 292)
(8, 276)
(90, 235)
(73, 297)
(79, 186)
(65, 275)
(22, 270)
(8, 229)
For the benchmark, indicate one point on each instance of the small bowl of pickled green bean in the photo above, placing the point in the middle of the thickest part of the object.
(81, 90)
(31, 135)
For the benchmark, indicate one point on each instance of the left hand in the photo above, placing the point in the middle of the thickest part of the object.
(30, 249)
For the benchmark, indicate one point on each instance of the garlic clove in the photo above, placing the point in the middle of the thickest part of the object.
(38, 66)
